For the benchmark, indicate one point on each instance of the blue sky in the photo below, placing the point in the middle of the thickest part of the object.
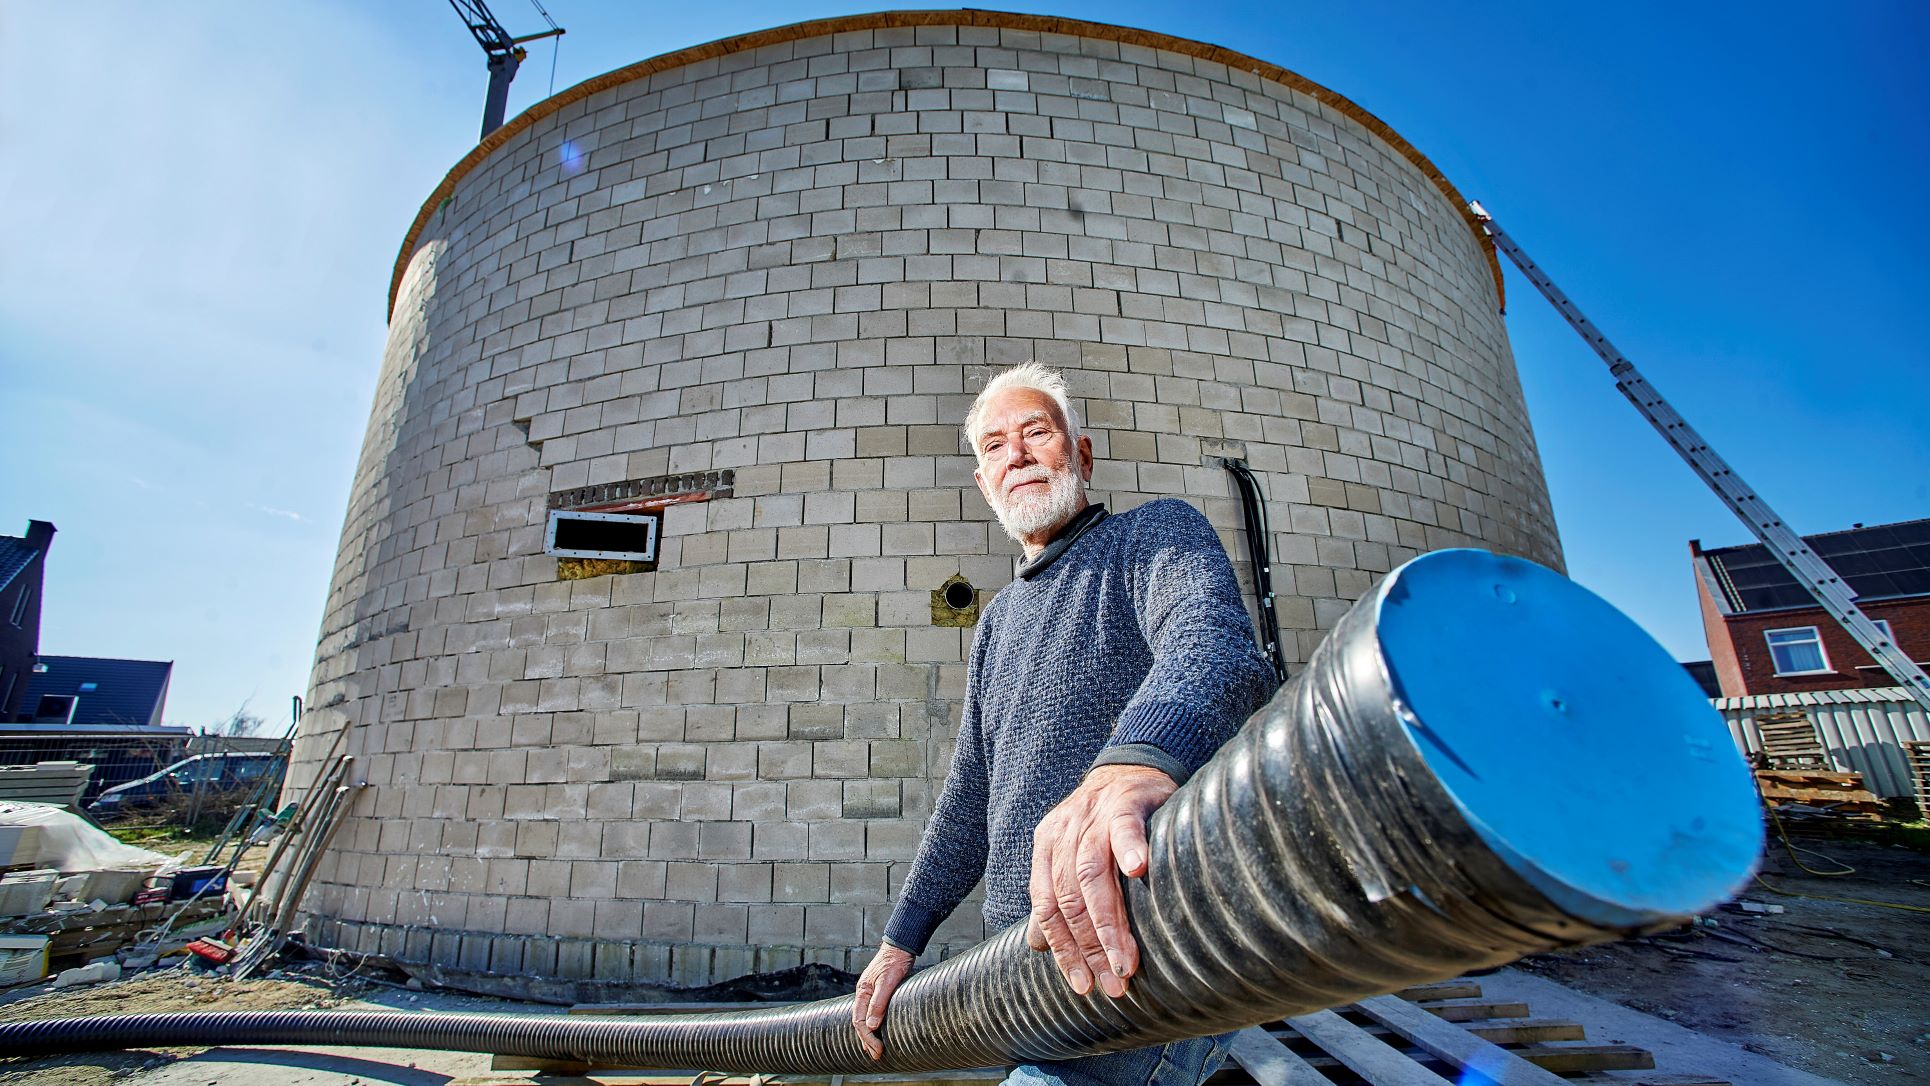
(199, 209)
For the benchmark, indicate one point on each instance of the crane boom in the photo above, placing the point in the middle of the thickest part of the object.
(1809, 568)
(505, 54)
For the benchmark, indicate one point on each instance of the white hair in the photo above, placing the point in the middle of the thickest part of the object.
(1030, 375)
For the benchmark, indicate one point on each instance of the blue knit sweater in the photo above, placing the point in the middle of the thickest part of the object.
(1134, 636)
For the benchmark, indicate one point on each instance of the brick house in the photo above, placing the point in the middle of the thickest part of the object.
(1767, 635)
(23, 562)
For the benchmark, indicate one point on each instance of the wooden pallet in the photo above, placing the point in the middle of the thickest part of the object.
(1407, 1040)
(1789, 741)
(1917, 753)
(1431, 1035)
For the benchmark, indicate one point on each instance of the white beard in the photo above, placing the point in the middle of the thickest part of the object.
(1031, 513)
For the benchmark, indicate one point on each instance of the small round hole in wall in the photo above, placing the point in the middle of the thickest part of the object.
(960, 594)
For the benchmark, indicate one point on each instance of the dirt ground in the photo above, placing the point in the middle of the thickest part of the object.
(1836, 988)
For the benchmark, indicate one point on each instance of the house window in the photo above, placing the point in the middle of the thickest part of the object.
(1797, 651)
(54, 707)
(88, 688)
(20, 604)
(1884, 625)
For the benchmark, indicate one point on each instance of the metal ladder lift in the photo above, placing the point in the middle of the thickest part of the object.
(1809, 569)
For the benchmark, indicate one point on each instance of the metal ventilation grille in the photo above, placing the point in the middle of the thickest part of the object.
(628, 536)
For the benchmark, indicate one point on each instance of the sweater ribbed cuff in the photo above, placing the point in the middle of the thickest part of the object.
(911, 926)
(1173, 727)
(1143, 754)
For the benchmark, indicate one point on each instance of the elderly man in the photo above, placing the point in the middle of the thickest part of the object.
(1114, 665)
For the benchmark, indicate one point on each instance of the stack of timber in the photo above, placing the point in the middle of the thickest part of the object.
(1917, 753)
(1430, 1035)
(1815, 798)
(1789, 741)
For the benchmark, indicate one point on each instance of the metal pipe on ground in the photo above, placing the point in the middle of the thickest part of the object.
(269, 940)
(1461, 776)
(298, 829)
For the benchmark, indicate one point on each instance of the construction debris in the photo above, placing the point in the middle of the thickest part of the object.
(1812, 796)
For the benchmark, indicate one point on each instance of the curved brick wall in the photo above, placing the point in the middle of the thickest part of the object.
(779, 267)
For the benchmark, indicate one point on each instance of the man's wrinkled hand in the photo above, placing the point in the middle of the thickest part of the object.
(888, 969)
(1078, 853)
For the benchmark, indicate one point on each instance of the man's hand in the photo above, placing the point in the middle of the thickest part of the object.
(1078, 853)
(888, 969)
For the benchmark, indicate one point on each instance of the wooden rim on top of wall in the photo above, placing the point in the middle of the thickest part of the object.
(884, 20)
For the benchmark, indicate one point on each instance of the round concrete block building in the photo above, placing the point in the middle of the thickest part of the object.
(663, 554)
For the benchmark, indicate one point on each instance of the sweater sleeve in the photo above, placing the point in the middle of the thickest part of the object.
(1208, 674)
(951, 855)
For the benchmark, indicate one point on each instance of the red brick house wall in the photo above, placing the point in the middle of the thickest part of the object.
(1750, 669)
(1722, 653)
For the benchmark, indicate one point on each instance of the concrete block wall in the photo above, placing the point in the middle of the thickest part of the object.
(797, 257)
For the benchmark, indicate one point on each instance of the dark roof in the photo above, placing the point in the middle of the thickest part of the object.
(125, 691)
(16, 554)
(1887, 561)
(1704, 674)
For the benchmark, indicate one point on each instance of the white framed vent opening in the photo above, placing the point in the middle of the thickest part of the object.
(630, 537)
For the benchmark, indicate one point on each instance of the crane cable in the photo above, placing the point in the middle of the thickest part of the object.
(556, 43)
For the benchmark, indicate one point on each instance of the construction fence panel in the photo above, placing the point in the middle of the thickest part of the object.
(1862, 731)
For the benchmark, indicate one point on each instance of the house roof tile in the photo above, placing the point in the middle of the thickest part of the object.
(124, 691)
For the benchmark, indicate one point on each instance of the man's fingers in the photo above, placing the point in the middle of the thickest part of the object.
(1071, 868)
(873, 994)
(1107, 900)
(1101, 912)
(861, 1001)
(1041, 891)
(860, 1018)
(1065, 952)
(881, 997)
(1128, 830)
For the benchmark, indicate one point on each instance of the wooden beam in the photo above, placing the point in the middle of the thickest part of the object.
(1363, 1055)
(1473, 1055)
(1508, 1032)
(1272, 1063)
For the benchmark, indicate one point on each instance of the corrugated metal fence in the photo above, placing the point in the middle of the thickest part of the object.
(1862, 730)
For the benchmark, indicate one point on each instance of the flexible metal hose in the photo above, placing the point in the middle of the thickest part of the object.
(1366, 831)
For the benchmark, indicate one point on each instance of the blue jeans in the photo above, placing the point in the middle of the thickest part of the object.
(1182, 1063)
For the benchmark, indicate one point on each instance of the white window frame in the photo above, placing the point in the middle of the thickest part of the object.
(1815, 634)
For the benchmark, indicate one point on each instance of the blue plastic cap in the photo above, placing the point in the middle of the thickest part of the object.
(1579, 750)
